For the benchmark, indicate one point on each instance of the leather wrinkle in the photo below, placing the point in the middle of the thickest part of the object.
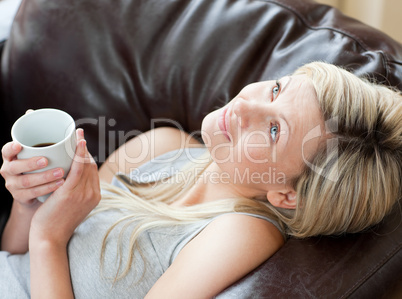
(373, 270)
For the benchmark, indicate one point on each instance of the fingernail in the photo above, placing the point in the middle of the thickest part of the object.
(58, 173)
(80, 132)
(59, 183)
(15, 146)
(41, 162)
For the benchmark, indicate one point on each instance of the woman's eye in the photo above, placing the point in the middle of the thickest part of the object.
(274, 132)
(276, 89)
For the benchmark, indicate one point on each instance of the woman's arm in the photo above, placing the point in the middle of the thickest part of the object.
(50, 272)
(226, 250)
(16, 232)
(143, 148)
(54, 223)
(24, 188)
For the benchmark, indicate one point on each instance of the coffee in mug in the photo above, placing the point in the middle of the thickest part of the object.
(49, 133)
(43, 144)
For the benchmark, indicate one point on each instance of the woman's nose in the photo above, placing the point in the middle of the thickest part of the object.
(245, 111)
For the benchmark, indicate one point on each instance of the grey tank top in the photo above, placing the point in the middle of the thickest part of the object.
(159, 246)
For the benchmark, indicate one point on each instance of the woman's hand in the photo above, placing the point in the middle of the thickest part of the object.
(54, 223)
(56, 220)
(26, 187)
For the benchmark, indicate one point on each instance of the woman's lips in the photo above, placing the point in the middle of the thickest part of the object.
(223, 122)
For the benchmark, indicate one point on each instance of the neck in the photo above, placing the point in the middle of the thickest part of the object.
(212, 185)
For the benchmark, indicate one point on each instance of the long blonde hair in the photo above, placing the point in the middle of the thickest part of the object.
(353, 184)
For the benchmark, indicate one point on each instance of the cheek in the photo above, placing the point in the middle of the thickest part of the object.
(255, 147)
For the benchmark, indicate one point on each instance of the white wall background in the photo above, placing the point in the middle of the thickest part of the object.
(8, 9)
(385, 15)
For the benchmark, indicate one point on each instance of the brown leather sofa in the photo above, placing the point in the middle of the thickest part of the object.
(115, 65)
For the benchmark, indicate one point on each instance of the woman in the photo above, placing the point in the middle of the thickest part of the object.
(315, 153)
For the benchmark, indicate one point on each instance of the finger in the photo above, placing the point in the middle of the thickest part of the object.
(10, 150)
(31, 180)
(77, 167)
(26, 195)
(16, 167)
(87, 156)
(93, 171)
(80, 134)
(90, 172)
(90, 182)
(94, 179)
(29, 111)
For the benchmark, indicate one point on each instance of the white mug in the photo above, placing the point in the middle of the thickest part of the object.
(49, 133)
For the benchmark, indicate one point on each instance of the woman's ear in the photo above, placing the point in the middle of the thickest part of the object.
(286, 200)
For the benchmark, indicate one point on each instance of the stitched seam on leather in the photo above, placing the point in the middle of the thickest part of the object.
(370, 273)
(350, 35)
(363, 45)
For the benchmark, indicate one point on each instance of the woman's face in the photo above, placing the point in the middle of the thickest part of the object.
(260, 138)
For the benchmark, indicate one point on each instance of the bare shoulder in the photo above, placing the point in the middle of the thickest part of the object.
(255, 239)
(229, 247)
(255, 230)
(143, 148)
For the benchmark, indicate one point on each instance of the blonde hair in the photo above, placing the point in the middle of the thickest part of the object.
(354, 183)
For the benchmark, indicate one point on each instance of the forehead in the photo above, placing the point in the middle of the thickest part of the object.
(304, 119)
(300, 104)
(298, 85)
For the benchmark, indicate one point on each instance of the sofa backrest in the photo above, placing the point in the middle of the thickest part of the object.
(134, 60)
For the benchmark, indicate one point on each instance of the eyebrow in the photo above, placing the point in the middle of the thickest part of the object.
(281, 114)
(289, 128)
